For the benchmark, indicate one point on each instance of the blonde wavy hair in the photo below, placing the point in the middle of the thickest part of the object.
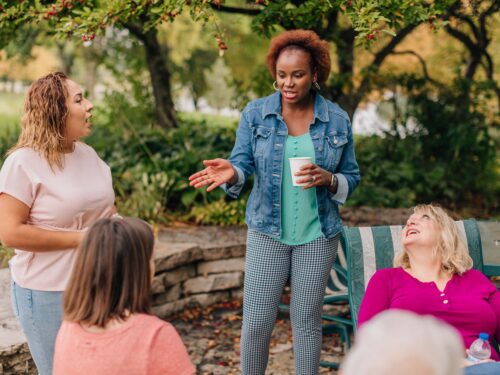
(44, 119)
(451, 249)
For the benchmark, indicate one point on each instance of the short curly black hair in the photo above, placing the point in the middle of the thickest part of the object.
(303, 39)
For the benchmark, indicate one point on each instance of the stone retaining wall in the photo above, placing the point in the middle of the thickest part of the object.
(187, 274)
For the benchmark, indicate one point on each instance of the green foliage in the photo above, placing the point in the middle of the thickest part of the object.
(366, 16)
(387, 180)
(5, 255)
(442, 148)
(220, 212)
(86, 18)
(151, 165)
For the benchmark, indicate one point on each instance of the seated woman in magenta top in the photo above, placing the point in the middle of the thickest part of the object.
(433, 276)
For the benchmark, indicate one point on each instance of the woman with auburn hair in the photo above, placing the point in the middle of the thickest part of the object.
(52, 187)
(433, 276)
(108, 327)
(293, 231)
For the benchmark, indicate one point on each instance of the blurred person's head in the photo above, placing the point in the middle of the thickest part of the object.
(56, 114)
(399, 342)
(431, 231)
(113, 273)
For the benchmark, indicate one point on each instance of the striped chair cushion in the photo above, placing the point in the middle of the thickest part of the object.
(337, 282)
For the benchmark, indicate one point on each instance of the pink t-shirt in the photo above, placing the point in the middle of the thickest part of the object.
(144, 344)
(70, 199)
(470, 303)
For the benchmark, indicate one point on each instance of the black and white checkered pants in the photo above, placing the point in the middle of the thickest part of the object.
(269, 264)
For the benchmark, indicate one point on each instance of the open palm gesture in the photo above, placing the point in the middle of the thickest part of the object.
(216, 173)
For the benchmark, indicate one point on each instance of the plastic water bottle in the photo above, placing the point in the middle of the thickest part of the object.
(480, 349)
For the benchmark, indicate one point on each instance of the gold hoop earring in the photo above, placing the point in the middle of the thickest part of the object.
(316, 85)
(275, 86)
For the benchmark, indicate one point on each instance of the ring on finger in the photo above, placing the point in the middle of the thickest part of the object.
(313, 178)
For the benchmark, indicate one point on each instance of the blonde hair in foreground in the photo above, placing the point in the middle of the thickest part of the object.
(451, 249)
(44, 119)
(395, 340)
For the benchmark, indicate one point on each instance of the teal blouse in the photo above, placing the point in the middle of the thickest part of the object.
(299, 208)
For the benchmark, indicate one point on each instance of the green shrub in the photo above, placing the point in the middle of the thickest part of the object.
(5, 254)
(219, 212)
(151, 165)
(441, 148)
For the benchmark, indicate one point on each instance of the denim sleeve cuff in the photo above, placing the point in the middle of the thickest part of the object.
(342, 189)
(234, 190)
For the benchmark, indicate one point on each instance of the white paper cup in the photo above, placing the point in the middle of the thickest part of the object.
(295, 165)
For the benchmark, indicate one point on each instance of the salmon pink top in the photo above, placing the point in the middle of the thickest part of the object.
(70, 199)
(470, 302)
(143, 345)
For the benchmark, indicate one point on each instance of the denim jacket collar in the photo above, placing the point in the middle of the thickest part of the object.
(272, 106)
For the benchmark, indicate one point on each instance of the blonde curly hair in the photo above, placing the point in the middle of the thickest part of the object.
(451, 250)
(44, 119)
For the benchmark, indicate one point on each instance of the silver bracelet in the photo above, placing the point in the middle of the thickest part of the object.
(332, 182)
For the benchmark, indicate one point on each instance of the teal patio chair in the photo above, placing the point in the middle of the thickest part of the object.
(369, 249)
(490, 245)
(372, 248)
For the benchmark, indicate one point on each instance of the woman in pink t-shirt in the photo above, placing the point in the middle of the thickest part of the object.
(434, 277)
(108, 327)
(52, 187)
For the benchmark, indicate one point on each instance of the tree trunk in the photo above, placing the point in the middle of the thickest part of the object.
(160, 75)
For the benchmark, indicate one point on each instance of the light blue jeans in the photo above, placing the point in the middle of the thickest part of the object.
(40, 314)
(488, 368)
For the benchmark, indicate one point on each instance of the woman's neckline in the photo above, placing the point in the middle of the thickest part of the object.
(298, 136)
(428, 282)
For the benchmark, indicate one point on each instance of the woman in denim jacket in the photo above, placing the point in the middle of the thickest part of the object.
(293, 231)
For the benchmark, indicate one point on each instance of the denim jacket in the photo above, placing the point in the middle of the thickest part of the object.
(259, 148)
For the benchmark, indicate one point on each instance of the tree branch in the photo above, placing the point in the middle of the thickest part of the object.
(331, 26)
(467, 20)
(462, 37)
(379, 58)
(136, 30)
(422, 62)
(389, 47)
(495, 6)
(236, 10)
(489, 68)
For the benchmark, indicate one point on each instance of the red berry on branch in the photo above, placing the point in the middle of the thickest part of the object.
(370, 36)
(92, 36)
(349, 3)
(84, 38)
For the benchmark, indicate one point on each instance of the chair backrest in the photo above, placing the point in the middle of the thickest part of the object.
(490, 243)
(337, 282)
(369, 249)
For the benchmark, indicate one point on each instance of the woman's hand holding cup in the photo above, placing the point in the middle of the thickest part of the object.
(311, 175)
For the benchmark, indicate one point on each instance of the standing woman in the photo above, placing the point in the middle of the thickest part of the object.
(293, 231)
(52, 187)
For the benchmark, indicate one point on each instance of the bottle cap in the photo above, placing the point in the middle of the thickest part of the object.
(484, 336)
